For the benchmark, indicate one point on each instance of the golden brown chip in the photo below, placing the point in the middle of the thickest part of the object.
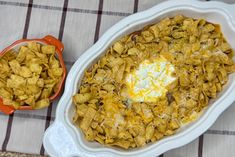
(41, 104)
(16, 81)
(46, 93)
(55, 72)
(35, 67)
(33, 46)
(4, 68)
(15, 104)
(81, 98)
(25, 72)
(10, 55)
(30, 101)
(15, 66)
(118, 47)
(48, 49)
(5, 93)
(22, 54)
(53, 62)
(89, 115)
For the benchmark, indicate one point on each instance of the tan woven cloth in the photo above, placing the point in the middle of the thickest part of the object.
(79, 23)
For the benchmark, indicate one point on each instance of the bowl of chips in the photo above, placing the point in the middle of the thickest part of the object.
(32, 74)
(84, 117)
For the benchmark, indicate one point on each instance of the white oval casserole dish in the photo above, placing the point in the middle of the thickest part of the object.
(64, 139)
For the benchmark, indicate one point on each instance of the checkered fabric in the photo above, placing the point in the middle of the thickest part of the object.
(79, 24)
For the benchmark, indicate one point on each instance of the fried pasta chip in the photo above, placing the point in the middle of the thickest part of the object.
(30, 76)
(202, 61)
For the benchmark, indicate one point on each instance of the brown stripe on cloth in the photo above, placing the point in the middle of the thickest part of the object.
(62, 23)
(14, 3)
(8, 132)
(98, 21)
(221, 132)
(200, 146)
(87, 11)
(136, 3)
(10, 120)
(28, 15)
(61, 32)
(48, 120)
(112, 13)
(32, 116)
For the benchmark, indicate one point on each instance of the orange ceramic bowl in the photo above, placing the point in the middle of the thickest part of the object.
(47, 40)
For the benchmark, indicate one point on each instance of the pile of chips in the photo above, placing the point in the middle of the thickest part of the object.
(29, 76)
(202, 58)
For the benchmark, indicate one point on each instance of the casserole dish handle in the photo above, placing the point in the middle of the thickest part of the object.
(59, 142)
(53, 41)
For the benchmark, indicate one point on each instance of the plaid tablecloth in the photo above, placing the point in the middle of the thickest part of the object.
(79, 23)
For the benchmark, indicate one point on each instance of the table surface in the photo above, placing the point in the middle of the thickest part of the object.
(79, 24)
